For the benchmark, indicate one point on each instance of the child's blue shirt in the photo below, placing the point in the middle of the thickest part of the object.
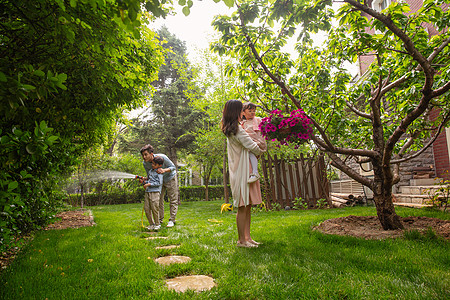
(155, 180)
(167, 164)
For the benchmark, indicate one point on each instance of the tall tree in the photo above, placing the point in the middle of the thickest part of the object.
(380, 119)
(172, 117)
(209, 139)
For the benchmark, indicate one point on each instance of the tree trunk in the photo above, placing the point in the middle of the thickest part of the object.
(386, 213)
(82, 196)
(172, 155)
(382, 193)
(383, 200)
(110, 151)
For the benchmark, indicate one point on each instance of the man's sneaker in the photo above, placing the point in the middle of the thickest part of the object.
(253, 178)
(170, 224)
(157, 227)
(151, 227)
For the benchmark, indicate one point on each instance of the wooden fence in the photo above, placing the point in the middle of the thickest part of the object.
(284, 181)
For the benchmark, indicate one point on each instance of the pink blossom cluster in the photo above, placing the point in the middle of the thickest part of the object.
(297, 128)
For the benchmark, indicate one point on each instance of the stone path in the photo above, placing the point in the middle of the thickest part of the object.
(156, 238)
(167, 247)
(181, 284)
(194, 282)
(172, 259)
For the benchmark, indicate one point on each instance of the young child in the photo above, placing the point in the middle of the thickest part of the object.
(251, 125)
(153, 185)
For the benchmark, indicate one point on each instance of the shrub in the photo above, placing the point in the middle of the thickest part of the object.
(187, 193)
(197, 193)
(92, 199)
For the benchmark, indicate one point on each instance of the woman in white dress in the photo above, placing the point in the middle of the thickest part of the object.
(245, 194)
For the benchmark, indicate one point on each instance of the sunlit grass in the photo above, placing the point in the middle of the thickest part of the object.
(113, 260)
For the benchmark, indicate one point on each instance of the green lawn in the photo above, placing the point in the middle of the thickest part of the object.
(113, 260)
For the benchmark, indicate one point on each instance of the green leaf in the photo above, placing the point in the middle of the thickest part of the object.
(132, 13)
(62, 77)
(43, 126)
(12, 185)
(186, 11)
(61, 86)
(70, 35)
(28, 87)
(61, 4)
(4, 139)
(51, 139)
(3, 77)
(229, 3)
(39, 73)
(17, 132)
(31, 148)
(25, 175)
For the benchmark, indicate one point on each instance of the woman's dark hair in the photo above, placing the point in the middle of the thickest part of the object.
(230, 117)
(147, 148)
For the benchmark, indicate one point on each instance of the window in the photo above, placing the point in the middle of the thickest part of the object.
(379, 5)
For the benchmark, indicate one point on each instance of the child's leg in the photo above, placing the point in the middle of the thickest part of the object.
(148, 213)
(254, 163)
(154, 205)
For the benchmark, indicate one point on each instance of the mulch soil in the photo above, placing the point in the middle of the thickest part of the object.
(369, 227)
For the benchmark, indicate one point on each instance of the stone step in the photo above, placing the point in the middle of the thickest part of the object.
(424, 181)
(409, 198)
(419, 190)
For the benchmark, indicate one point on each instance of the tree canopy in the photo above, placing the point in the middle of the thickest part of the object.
(382, 117)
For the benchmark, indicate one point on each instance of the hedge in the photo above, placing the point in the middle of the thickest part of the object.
(187, 193)
(92, 199)
(197, 193)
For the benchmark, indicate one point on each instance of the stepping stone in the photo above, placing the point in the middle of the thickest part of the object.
(196, 283)
(149, 232)
(156, 237)
(172, 259)
(168, 247)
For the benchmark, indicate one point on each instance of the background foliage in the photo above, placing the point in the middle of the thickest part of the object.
(67, 71)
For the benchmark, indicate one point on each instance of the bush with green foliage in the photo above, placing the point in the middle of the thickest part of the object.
(26, 199)
(197, 193)
(67, 71)
(93, 199)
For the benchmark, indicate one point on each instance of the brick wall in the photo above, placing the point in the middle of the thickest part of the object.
(440, 151)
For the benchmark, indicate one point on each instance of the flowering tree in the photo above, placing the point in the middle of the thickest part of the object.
(384, 117)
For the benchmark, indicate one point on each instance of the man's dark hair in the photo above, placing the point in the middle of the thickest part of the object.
(158, 160)
(147, 148)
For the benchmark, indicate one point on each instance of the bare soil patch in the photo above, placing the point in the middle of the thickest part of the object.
(72, 219)
(368, 227)
(69, 219)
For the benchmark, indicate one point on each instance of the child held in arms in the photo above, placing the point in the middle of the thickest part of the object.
(250, 123)
(153, 185)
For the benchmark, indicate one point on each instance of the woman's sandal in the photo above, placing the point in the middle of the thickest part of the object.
(246, 245)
